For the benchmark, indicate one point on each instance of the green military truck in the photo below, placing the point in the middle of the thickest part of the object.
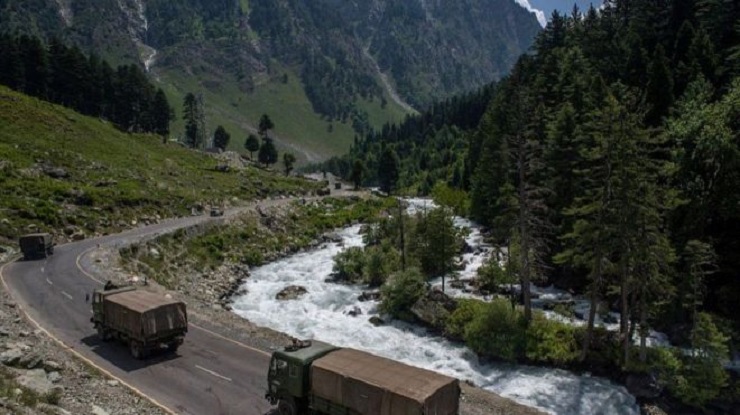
(316, 377)
(36, 245)
(143, 320)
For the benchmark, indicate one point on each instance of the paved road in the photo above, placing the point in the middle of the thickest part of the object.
(208, 375)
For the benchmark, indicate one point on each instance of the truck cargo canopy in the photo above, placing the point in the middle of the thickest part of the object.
(139, 300)
(375, 385)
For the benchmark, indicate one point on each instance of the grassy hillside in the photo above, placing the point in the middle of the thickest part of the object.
(298, 128)
(59, 169)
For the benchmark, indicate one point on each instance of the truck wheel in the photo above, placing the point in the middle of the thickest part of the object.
(103, 334)
(287, 407)
(136, 351)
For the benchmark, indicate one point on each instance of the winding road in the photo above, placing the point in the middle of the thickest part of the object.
(209, 374)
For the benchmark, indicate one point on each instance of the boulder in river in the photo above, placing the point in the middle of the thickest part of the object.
(433, 309)
(291, 292)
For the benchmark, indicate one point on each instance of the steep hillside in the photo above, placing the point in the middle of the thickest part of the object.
(60, 170)
(323, 70)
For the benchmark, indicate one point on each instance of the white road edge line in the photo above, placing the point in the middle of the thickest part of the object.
(79, 355)
(67, 295)
(212, 333)
(213, 373)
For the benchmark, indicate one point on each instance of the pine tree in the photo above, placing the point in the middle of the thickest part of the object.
(161, 114)
(268, 153)
(288, 162)
(221, 138)
(388, 169)
(265, 125)
(358, 171)
(190, 115)
(252, 144)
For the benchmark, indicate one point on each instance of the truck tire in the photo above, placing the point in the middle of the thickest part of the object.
(286, 407)
(103, 334)
(137, 351)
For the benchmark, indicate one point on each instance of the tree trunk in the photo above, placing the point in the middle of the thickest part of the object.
(591, 317)
(624, 317)
(524, 235)
(643, 327)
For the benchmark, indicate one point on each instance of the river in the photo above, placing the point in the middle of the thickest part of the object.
(322, 314)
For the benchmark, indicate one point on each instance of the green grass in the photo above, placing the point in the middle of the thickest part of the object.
(249, 242)
(299, 129)
(114, 177)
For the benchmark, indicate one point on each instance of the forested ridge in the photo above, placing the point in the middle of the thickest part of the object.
(607, 163)
(64, 75)
(331, 46)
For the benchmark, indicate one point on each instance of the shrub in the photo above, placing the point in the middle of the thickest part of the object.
(497, 332)
(492, 275)
(550, 341)
(701, 376)
(349, 264)
(401, 291)
(380, 261)
(465, 312)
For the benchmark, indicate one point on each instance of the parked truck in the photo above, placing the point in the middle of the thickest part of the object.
(143, 320)
(316, 377)
(36, 245)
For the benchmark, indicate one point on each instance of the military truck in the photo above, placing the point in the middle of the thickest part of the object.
(316, 377)
(143, 320)
(36, 245)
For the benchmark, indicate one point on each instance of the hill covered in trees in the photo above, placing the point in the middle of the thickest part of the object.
(337, 64)
(606, 163)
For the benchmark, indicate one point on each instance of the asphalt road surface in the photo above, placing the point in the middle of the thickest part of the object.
(209, 374)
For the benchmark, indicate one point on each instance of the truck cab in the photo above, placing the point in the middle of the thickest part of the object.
(288, 383)
(36, 245)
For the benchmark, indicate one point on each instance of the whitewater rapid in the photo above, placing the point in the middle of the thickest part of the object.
(322, 314)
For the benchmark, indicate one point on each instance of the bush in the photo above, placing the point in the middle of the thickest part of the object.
(465, 312)
(701, 377)
(492, 275)
(380, 261)
(498, 332)
(349, 264)
(402, 290)
(550, 341)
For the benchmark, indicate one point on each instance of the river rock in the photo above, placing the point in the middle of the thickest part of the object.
(291, 292)
(369, 296)
(376, 321)
(433, 309)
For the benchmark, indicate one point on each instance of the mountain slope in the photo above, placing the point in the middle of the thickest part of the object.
(344, 67)
(61, 169)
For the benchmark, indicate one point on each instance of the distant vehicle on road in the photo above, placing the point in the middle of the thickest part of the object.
(36, 245)
(324, 192)
(216, 212)
(143, 320)
(316, 377)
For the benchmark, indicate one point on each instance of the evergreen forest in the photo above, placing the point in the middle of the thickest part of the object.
(64, 75)
(606, 163)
